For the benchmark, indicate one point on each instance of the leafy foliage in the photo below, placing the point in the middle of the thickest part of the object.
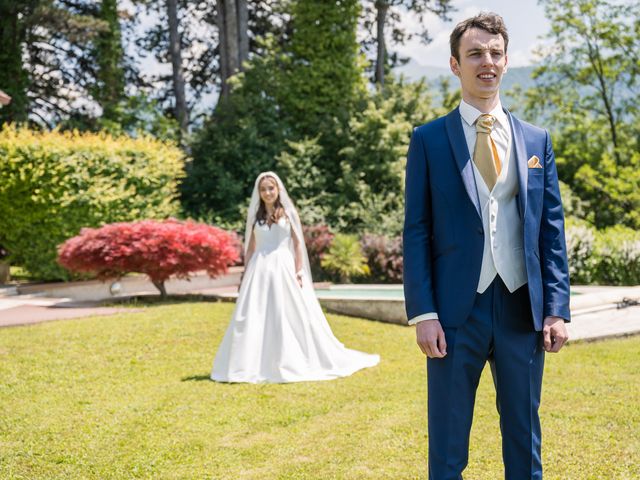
(241, 139)
(322, 80)
(345, 258)
(157, 249)
(297, 164)
(618, 255)
(295, 91)
(317, 239)
(398, 34)
(384, 257)
(587, 89)
(108, 56)
(54, 183)
(14, 78)
(64, 59)
(572, 205)
(200, 46)
(613, 190)
(367, 193)
(580, 251)
(607, 257)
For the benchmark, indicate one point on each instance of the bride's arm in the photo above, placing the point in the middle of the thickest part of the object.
(250, 249)
(297, 247)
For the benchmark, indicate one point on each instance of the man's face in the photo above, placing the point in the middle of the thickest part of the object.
(482, 63)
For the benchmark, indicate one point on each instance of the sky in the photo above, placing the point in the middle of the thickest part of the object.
(525, 22)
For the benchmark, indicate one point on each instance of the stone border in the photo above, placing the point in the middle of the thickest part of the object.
(94, 290)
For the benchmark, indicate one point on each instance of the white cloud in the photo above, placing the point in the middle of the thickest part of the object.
(519, 58)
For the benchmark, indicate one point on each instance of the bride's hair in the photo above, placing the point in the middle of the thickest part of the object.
(278, 210)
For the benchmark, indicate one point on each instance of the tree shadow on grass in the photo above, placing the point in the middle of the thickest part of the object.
(154, 300)
(195, 378)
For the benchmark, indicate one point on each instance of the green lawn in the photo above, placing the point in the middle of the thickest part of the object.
(128, 396)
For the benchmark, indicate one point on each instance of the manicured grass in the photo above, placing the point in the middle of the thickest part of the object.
(128, 396)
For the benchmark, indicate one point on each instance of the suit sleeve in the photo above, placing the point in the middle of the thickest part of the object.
(553, 250)
(418, 285)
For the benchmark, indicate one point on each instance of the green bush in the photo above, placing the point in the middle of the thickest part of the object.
(53, 183)
(345, 258)
(242, 138)
(295, 89)
(605, 257)
(618, 256)
(581, 238)
(572, 205)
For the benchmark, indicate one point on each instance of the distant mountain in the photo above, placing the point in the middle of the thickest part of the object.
(414, 71)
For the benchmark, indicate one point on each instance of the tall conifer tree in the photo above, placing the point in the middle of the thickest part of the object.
(109, 56)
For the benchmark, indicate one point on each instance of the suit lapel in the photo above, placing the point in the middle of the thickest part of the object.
(521, 161)
(458, 144)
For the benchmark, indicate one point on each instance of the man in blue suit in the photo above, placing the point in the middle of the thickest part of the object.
(485, 272)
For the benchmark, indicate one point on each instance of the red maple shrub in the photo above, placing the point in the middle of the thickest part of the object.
(159, 249)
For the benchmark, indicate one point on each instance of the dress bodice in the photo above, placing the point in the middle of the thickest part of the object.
(269, 238)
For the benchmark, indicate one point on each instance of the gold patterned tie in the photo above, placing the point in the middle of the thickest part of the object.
(485, 155)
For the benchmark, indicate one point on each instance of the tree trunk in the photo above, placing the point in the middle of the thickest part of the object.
(595, 57)
(233, 33)
(175, 51)
(382, 6)
(231, 30)
(243, 31)
(160, 286)
(4, 272)
(222, 48)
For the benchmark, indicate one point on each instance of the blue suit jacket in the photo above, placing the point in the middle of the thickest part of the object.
(443, 233)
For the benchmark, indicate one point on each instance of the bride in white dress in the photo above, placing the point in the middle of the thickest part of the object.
(278, 332)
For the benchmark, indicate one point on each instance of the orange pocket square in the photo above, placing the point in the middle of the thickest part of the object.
(534, 162)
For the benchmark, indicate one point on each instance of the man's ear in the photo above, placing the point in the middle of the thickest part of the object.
(455, 67)
(506, 64)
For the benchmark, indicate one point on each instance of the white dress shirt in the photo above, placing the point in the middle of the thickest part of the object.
(503, 243)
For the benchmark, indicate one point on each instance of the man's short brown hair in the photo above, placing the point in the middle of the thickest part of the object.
(489, 22)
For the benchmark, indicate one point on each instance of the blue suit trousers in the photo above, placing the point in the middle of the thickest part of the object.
(500, 331)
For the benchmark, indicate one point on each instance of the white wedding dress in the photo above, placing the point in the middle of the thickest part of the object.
(278, 332)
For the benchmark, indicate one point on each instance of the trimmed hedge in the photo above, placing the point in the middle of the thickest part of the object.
(54, 183)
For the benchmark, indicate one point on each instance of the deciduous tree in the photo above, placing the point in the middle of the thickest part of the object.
(587, 88)
(382, 19)
(158, 249)
(43, 47)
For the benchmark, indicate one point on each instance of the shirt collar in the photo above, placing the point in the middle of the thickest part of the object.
(470, 114)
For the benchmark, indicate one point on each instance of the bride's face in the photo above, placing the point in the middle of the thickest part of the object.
(268, 190)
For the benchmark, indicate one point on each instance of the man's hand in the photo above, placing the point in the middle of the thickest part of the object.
(555, 334)
(430, 338)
